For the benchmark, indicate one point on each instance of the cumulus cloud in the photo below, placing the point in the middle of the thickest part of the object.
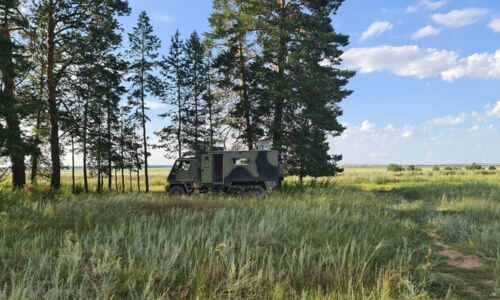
(414, 61)
(495, 111)
(154, 105)
(402, 61)
(449, 120)
(407, 133)
(366, 126)
(376, 29)
(426, 5)
(426, 32)
(495, 25)
(460, 18)
(479, 65)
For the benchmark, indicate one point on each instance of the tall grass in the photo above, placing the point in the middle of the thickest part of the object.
(359, 236)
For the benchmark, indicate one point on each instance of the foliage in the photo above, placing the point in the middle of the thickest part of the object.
(395, 168)
(492, 168)
(474, 167)
(436, 169)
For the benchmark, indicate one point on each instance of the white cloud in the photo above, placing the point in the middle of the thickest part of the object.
(390, 128)
(366, 126)
(427, 5)
(161, 17)
(460, 18)
(376, 29)
(413, 61)
(407, 133)
(426, 32)
(403, 61)
(154, 105)
(449, 120)
(479, 65)
(495, 25)
(495, 111)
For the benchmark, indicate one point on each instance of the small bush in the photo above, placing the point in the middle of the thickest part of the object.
(492, 168)
(395, 168)
(474, 167)
(448, 169)
(436, 169)
(413, 168)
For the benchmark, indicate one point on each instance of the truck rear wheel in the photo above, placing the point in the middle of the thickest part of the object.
(176, 191)
(256, 191)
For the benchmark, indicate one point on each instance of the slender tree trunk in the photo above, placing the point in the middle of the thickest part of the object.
(130, 180)
(116, 180)
(110, 166)
(55, 181)
(84, 138)
(210, 109)
(179, 112)
(38, 126)
(73, 186)
(277, 127)
(14, 140)
(244, 95)
(144, 134)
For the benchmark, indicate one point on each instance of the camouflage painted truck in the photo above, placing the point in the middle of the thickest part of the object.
(232, 172)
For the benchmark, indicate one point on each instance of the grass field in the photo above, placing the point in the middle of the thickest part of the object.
(366, 234)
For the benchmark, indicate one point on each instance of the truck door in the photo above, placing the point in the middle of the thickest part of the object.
(218, 169)
(206, 168)
(184, 171)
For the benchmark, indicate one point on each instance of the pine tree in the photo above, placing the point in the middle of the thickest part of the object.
(307, 84)
(11, 68)
(195, 91)
(234, 25)
(66, 25)
(143, 53)
(173, 69)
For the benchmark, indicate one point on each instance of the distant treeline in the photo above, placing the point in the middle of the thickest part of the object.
(267, 69)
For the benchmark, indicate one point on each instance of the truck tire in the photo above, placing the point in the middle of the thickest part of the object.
(176, 191)
(256, 191)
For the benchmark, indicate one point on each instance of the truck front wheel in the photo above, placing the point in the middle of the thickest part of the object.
(176, 191)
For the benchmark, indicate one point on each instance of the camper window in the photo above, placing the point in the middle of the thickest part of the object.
(241, 161)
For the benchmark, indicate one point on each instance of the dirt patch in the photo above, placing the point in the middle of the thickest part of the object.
(459, 260)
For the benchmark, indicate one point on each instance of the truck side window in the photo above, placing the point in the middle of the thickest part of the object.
(241, 161)
(184, 166)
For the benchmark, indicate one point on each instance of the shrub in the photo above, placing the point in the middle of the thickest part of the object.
(448, 169)
(492, 168)
(474, 167)
(413, 168)
(436, 169)
(395, 168)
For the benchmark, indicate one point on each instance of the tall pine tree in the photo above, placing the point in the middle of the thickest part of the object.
(143, 54)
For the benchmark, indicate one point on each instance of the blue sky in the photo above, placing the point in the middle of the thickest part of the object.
(427, 89)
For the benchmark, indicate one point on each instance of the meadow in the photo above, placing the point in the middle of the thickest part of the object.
(366, 234)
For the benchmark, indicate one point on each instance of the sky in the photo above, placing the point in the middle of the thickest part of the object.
(427, 88)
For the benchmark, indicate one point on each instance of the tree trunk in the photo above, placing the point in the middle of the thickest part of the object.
(130, 180)
(244, 95)
(145, 137)
(38, 126)
(84, 138)
(73, 186)
(55, 181)
(277, 127)
(179, 107)
(110, 166)
(14, 140)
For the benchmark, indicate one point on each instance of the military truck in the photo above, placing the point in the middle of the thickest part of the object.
(232, 172)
